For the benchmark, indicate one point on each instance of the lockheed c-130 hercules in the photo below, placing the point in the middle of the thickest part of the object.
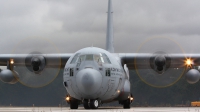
(93, 76)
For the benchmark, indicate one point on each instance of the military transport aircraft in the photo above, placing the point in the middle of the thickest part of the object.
(93, 76)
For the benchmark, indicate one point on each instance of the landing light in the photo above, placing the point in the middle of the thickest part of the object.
(131, 98)
(11, 61)
(118, 91)
(188, 62)
(67, 98)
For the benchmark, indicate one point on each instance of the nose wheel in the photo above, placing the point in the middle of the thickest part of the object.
(92, 104)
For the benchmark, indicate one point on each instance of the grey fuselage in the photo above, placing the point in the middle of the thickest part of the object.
(94, 73)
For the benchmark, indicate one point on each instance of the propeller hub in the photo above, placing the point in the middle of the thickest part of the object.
(160, 61)
(35, 62)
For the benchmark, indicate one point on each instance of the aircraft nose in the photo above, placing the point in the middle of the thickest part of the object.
(89, 81)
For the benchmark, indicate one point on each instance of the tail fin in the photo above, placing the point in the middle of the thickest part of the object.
(109, 35)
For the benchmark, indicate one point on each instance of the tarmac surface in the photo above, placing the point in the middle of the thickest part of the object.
(101, 109)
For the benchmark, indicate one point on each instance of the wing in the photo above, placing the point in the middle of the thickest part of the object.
(51, 60)
(32, 70)
(159, 68)
(142, 60)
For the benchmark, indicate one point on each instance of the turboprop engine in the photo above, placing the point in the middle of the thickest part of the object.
(38, 63)
(9, 76)
(192, 76)
(160, 62)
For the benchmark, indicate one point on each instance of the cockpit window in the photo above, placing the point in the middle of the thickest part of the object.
(99, 58)
(89, 57)
(104, 58)
(81, 58)
(74, 60)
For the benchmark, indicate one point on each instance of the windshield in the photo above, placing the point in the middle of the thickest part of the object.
(99, 58)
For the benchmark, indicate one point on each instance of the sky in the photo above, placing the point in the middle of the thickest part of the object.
(65, 26)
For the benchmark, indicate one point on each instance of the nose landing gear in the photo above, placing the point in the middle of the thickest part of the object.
(91, 104)
(86, 104)
(94, 104)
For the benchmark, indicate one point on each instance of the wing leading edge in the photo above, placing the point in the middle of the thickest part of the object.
(52, 60)
(142, 60)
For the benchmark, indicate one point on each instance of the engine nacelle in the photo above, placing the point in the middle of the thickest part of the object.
(192, 76)
(38, 63)
(160, 62)
(9, 76)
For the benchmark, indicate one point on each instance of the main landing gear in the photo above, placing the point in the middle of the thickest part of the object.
(91, 104)
(127, 103)
(73, 102)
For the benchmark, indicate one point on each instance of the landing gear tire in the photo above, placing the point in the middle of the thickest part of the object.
(73, 105)
(127, 104)
(94, 104)
(85, 104)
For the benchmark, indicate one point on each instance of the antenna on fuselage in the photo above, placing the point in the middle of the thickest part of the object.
(109, 35)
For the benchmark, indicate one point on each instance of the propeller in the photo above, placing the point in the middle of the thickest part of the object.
(36, 73)
(157, 71)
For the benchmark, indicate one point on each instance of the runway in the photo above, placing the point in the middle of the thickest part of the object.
(102, 109)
